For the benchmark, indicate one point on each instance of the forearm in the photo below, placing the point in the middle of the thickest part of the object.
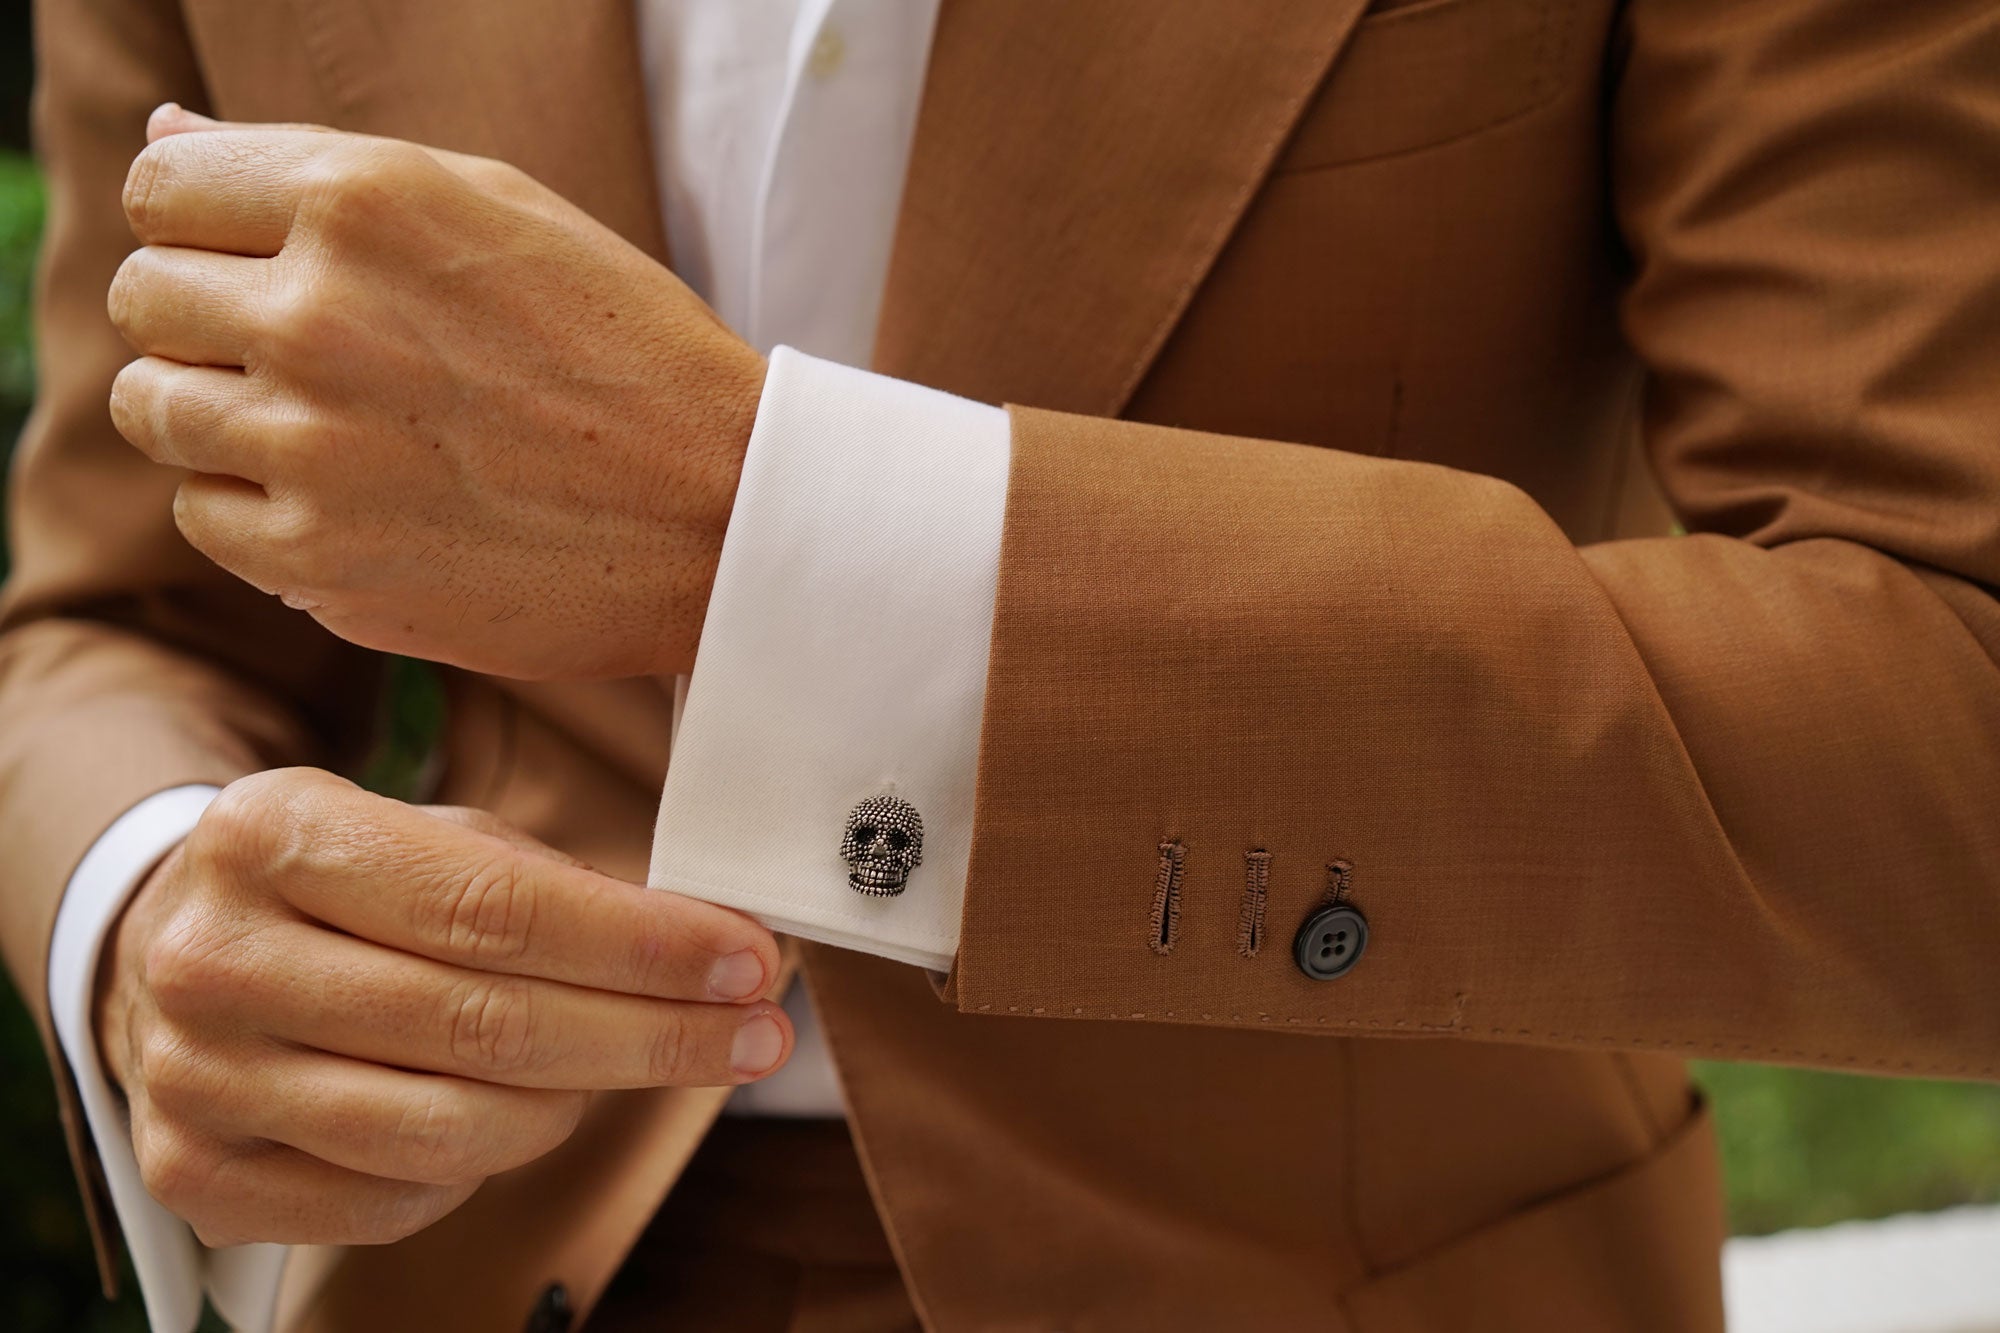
(1730, 793)
(1650, 794)
(1630, 795)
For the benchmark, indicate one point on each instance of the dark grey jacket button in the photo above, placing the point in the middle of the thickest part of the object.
(1330, 942)
(552, 1312)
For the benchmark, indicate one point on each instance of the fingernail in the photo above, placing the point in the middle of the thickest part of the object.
(758, 1045)
(737, 977)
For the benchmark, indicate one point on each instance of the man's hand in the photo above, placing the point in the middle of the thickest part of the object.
(334, 1015)
(427, 400)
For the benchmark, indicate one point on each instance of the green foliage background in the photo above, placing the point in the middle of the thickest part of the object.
(1801, 1148)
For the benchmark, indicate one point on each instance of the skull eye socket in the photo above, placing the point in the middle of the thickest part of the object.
(898, 839)
(863, 834)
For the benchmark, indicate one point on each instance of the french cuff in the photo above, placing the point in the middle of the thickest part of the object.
(172, 1266)
(823, 768)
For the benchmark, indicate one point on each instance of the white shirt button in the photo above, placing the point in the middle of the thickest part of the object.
(829, 52)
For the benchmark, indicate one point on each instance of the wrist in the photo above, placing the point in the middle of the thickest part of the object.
(728, 418)
(733, 399)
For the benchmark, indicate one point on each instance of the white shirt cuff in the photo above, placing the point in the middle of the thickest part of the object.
(172, 1266)
(843, 656)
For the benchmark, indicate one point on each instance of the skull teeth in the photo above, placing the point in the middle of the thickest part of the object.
(883, 842)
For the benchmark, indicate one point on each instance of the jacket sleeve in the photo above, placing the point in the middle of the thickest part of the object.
(128, 663)
(1734, 794)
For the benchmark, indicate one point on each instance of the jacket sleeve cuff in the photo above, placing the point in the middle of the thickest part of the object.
(843, 658)
(172, 1266)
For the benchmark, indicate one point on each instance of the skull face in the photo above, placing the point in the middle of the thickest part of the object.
(883, 843)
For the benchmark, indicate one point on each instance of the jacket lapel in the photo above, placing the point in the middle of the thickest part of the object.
(1076, 170)
(555, 89)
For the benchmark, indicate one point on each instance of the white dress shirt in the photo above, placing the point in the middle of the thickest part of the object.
(845, 647)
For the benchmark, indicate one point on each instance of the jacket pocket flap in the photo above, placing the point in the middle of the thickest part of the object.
(1638, 1250)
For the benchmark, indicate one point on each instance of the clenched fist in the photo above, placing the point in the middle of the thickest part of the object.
(427, 400)
(334, 1015)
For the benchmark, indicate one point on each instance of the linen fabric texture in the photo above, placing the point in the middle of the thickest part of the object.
(1520, 285)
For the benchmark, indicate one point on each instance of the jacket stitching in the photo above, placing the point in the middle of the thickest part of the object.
(1250, 914)
(1339, 881)
(1733, 1049)
(1164, 922)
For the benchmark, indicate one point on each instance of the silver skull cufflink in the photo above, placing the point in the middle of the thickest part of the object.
(883, 843)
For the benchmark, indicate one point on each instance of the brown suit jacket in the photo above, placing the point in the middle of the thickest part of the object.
(1610, 797)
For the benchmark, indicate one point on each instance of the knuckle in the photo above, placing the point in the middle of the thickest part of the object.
(395, 162)
(273, 820)
(176, 1167)
(357, 188)
(169, 1070)
(142, 184)
(670, 1053)
(160, 409)
(297, 542)
(297, 324)
(132, 408)
(435, 1140)
(235, 827)
(245, 804)
(489, 915)
(189, 967)
(293, 436)
(493, 1026)
(121, 301)
(328, 191)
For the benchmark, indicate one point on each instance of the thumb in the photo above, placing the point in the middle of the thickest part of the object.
(173, 118)
(170, 118)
